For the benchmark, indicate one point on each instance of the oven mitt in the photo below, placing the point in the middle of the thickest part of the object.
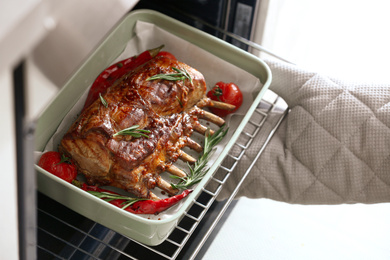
(333, 147)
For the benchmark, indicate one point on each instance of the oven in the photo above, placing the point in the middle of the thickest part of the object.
(41, 227)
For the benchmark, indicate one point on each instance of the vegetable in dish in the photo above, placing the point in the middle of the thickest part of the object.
(228, 93)
(59, 165)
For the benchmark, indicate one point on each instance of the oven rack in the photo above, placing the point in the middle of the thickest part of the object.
(65, 234)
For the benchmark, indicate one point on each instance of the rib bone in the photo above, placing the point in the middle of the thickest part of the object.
(194, 145)
(212, 118)
(202, 129)
(186, 157)
(162, 184)
(207, 102)
(221, 105)
(176, 171)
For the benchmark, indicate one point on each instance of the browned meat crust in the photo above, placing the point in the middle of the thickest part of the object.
(166, 108)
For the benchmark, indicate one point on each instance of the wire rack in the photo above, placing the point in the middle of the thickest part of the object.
(65, 234)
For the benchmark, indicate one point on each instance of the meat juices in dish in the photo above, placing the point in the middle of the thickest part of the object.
(168, 109)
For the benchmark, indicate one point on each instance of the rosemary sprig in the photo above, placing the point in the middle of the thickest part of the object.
(104, 102)
(133, 131)
(180, 75)
(107, 196)
(64, 159)
(180, 103)
(218, 92)
(199, 170)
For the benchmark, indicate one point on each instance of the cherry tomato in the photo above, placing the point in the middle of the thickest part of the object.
(225, 92)
(59, 165)
(167, 54)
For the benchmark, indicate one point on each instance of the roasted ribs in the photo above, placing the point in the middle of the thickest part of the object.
(168, 109)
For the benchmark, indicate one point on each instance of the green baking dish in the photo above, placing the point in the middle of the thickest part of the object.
(150, 230)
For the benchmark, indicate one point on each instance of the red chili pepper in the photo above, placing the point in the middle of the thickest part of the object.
(155, 207)
(141, 206)
(117, 70)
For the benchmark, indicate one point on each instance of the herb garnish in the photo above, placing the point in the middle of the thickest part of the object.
(218, 92)
(108, 196)
(199, 170)
(104, 102)
(180, 103)
(64, 159)
(180, 75)
(133, 131)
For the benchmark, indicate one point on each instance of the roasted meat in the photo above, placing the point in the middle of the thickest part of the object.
(168, 109)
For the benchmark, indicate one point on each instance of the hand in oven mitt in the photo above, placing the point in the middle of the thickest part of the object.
(332, 148)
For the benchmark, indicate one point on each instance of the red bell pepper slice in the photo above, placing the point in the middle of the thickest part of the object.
(134, 205)
(116, 71)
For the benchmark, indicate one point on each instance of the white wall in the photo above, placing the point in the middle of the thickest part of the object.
(344, 38)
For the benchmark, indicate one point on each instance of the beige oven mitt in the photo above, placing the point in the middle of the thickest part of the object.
(332, 148)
